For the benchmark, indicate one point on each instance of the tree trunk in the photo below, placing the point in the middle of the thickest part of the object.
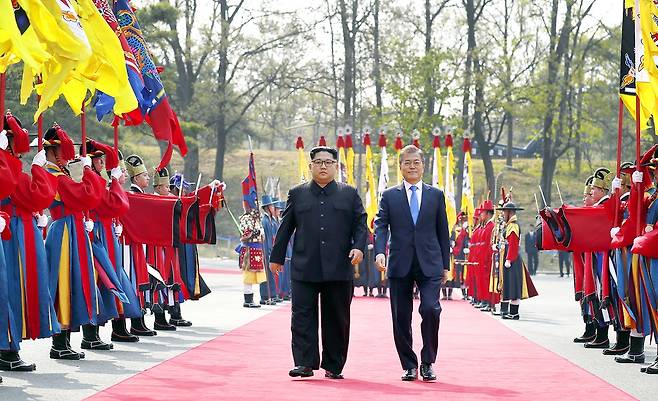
(478, 125)
(348, 72)
(377, 76)
(510, 137)
(221, 149)
(429, 91)
(220, 130)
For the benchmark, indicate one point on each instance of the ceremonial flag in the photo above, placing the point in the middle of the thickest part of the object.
(249, 187)
(371, 191)
(302, 166)
(340, 145)
(449, 190)
(349, 160)
(383, 166)
(467, 183)
(160, 116)
(437, 162)
(398, 148)
(104, 103)
(646, 55)
(18, 40)
(628, 70)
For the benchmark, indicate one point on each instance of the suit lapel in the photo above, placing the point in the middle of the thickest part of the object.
(425, 200)
(405, 202)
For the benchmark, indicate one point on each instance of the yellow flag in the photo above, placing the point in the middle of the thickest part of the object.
(437, 165)
(302, 166)
(646, 54)
(57, 27)
(371, 191)
(16, 45)
(467, 184)
(349, 159)
(449, 190)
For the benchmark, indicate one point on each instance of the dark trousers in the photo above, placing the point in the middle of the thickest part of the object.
(402, 299)
(533, 262)
(565, 262)
(335, 300)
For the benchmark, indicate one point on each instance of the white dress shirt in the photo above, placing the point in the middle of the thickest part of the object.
(419, 191)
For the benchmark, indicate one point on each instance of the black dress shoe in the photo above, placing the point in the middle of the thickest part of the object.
(410, 375)
(332, 375)
(508, 316)
(600, 345)
(630, 358)
(301, 371)
(11, 361)
(584, 339)
(427, 372)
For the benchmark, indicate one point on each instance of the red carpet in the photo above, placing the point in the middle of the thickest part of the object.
(479, 359)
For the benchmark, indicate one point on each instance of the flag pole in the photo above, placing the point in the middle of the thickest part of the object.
(3, 88)
(620, 125)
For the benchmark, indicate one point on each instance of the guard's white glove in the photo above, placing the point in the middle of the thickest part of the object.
(40, 158)
(86, 161)
(494, 247)
(648, 228)
(118, 229)
(616, 184)
(42, 221)
(89, 225)
(3, 224)
(116, 173)
(371, 247)
(4, 141)
(451, 249)
(508, 263)
(614, 231)
(465, 226)
(466, 251)
(452, 243)
(637, 177)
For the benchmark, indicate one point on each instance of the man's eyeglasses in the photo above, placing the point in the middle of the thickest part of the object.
(320, 162)
(415, 163)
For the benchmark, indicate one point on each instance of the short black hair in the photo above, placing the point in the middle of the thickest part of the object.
(318, 149)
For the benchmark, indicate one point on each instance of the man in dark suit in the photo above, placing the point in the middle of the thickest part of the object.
(531, 250)
(329, 223)
(414, 215)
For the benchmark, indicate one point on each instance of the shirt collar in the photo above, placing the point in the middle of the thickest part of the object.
(328, 189)
(407, 185)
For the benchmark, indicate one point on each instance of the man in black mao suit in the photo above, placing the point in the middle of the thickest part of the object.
(329, 223)
(413, 215)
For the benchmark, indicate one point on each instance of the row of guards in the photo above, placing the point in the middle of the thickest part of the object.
(613, 238)
(104, 254)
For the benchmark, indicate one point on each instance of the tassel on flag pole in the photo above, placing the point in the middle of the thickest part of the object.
(437, 162)
(416, 139)
(349, 165)
(398, 148)
(302, 167)
(340, 145)
(322, 141)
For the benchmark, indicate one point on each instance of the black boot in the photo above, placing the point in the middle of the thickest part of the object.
(464, 294)
(486, 307)
(249, 301)
(635, 352)
(138, 328)
(61, 348)
(120, 332)
(601, 340)
(504, 308)
(450, 293)
(621, 345)
(11, 361)
(513, 313)
(176, 317)
(161, 322)
(91, 339)
(445, 294)
(588, 335)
